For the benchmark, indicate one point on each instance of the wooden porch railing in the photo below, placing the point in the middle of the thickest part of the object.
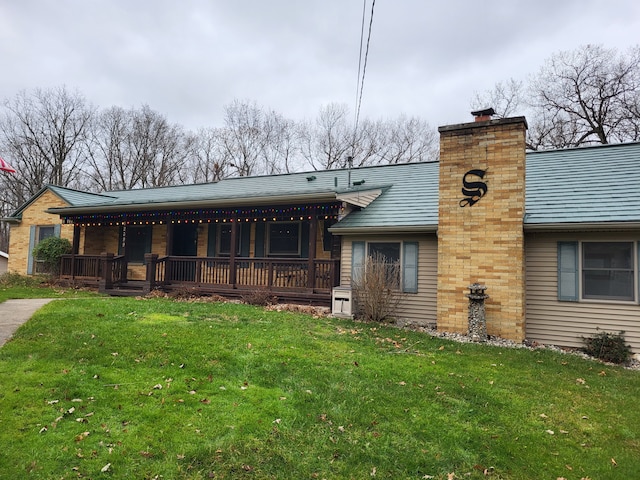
(249, 272)
(294, 275)
(106, 269)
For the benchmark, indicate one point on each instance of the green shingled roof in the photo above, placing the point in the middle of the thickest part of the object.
(409, 197)
(573, 186)
(584, 185)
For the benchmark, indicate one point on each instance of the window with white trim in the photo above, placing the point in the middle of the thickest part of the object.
(591, 270)
(403, 254)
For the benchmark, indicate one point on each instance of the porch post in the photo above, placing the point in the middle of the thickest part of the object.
(311, 270)
(151, 259)
(232, 251)
(75, 249)
(106, 281)
(168, 267)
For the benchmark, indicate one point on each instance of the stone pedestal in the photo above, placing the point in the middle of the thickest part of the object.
(476, 316)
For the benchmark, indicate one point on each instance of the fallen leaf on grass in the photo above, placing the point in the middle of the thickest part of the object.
(542, 415)
(613, 462)
(105, 468)
(550, 432)
(581, 381)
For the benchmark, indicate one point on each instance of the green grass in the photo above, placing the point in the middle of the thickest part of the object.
(14, 286)
(157, 389)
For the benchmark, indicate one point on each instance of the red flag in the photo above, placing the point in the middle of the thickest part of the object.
(5, 167)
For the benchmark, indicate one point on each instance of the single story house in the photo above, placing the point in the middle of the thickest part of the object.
(553, 235)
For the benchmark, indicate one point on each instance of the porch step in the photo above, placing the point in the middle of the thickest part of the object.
(129, 289)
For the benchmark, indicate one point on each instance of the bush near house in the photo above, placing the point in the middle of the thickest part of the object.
(609, 347)
(49, 251)
(376, 291)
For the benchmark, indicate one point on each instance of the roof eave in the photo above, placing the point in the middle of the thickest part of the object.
(581, 226)
(187, 204)
(336, 230)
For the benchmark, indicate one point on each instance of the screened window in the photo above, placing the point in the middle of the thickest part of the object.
(597, 271)
(389, 254)
(608, 270)
(284, 239)
(401, 257)
(45, 232)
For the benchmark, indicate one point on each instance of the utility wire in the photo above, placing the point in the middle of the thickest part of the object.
(363, 64)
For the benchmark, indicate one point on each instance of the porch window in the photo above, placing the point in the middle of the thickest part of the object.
(135, 241)
(284, 239)
(597, 271)
(403, 254)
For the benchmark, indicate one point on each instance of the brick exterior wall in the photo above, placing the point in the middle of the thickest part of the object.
(34, 214)
(484, 242)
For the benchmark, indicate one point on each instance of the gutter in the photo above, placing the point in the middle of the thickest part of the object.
(581, 226)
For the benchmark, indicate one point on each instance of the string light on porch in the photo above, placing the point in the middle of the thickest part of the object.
(286, 213)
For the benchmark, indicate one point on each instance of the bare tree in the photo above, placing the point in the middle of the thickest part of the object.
(137, 148)
(207, 165)
(506, 98)
(407, 139)
(587, 93)
(43, 134)
(328, 141)
(590, 95)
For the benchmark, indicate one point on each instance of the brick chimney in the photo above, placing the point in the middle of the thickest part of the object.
(480, 225)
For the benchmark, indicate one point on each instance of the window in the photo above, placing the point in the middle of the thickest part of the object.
(284, 239)
(135, 241)
(597, 271)
(45, 231)
(404, 254)
(389, 253)
(224, 240)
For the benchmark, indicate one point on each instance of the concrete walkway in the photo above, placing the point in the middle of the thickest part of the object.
(14, 313)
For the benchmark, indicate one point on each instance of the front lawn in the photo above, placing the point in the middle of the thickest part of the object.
(20, 286)
(148, 389)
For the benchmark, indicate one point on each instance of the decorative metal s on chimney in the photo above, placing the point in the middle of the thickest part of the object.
(483, 115)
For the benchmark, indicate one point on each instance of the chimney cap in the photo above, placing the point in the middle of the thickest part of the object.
(486, 112)
(483, 112)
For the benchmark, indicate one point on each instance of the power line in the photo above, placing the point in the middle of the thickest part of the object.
(363, 64)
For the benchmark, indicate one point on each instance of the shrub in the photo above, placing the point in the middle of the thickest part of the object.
(609, 347)
(260, 297)
(12, 279)
(376, 293)
(49, 252)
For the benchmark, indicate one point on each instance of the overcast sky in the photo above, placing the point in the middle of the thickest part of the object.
(187, 59)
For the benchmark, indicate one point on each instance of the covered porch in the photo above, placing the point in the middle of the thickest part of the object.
(285, 250)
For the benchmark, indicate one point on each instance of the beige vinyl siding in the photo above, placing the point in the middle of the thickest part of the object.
(550, 321)
(419, 308)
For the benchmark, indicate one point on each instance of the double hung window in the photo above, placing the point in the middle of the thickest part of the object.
(597, 271)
